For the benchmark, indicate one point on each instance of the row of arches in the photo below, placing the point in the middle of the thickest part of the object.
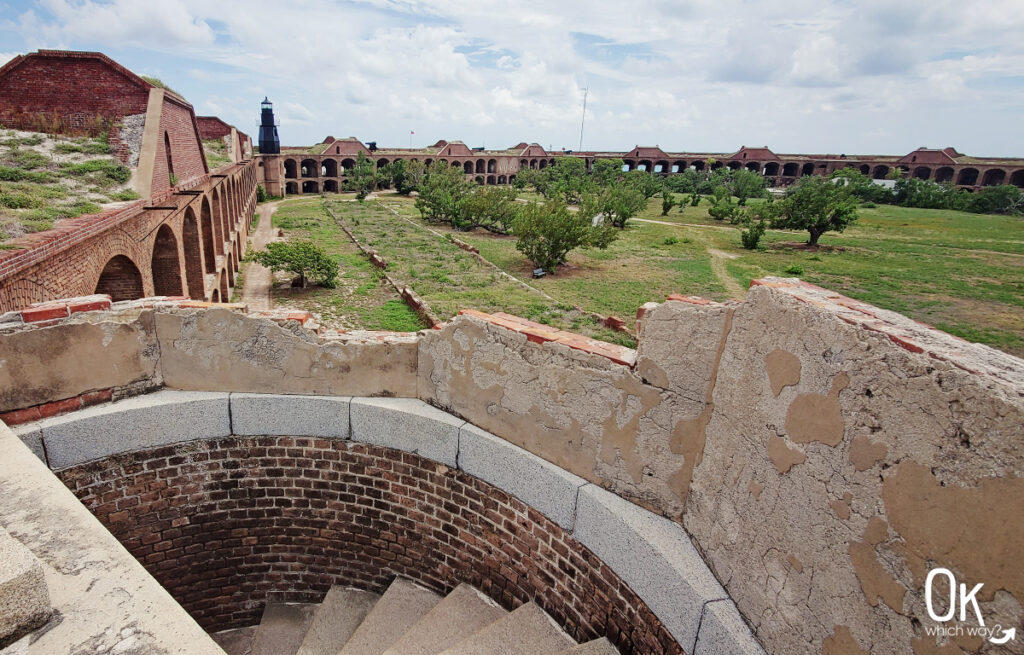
(196, 252)
(310, 168)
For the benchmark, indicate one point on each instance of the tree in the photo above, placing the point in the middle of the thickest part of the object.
(1002, 199)
(441, 190)
(548, 232)
(617, 203)
(818, 205)
(644, 182)
(863, 187)
(362, 179)
(756, 220)
(301, 258)
(492, 208)
(746, 184)
(606, 171)
(404, 175)
(668, 201)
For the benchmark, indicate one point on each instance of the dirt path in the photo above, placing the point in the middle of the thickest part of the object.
(258, 279)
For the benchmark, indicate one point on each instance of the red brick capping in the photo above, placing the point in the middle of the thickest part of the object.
(540, 333)
(228, 524)
(46, 410)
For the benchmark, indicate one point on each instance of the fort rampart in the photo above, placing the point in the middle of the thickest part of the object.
(823, 455)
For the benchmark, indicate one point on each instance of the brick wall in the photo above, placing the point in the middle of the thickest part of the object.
(186, 149)
(211, 127)
(73, 89)
(228, 524)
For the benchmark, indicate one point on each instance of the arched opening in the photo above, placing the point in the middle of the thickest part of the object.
(522, 164)
(291, 188)
(492, 165)
(661, 167)
(428, 163)
(944, 174)
(542, 164)
(880, 172)
(644, 165)
(347, 165)
(807, 169)
(922, 172)
(231, 270)
(533, 163)
(467, 168)
(1017, 178)
(309, 168)
(291, 169)
(442, 161)
(479, 179)
(865, 169)
(490, 180)
(330, 186)
(381, 163)
(193, 256)
(771, 168)
(170, 162)
(310, 186)
(967, 177)
(735, 165)
(790, 169)
(120, 279)
(206, 228)
(716, 165)
(994, 177)
(753, 166)
(206, 218)
(678, 167)
(501, 179)
(224, 286)
(165, 265)
(511, 179)
(215, 297)
(329, 168)
(697, 165)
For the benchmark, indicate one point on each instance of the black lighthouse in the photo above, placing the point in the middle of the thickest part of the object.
(270, 144)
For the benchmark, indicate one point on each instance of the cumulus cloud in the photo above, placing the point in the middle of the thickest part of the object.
(807, 75)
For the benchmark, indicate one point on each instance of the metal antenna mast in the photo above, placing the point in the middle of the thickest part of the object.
(584, 118)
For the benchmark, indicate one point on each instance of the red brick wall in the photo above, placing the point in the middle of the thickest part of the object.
(227, 524)
(186, 148)
(73, 89)
(211, 127)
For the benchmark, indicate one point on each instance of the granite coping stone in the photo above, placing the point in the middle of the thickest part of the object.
(535, 481)
(653, 555)
(407, 424)
(284, 415)
(724, 632)
(147, 421)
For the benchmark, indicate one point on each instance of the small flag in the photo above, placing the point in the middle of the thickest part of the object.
(411, 132)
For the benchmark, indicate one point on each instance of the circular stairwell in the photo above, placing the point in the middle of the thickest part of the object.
(405, 620)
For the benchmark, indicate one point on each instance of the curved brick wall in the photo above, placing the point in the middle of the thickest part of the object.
(226, 524)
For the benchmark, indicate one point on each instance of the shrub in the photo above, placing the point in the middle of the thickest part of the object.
(794, 269)
(548, 232)
(668, 201)
(107, 170)
(751, 238)
(301, 258)
(261, 193)
(670, 241)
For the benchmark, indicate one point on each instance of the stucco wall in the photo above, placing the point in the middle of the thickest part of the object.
(824, 455)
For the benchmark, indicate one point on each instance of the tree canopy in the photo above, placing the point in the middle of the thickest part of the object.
(818, 205)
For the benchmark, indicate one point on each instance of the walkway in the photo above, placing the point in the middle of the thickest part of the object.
(258, 279)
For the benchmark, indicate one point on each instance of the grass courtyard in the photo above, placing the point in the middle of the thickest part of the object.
(963, 273)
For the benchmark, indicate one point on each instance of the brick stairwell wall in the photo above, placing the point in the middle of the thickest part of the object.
(227, 524)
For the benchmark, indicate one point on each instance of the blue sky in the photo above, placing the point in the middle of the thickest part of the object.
(813, 76)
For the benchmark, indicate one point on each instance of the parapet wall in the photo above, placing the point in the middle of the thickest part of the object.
(823, 455)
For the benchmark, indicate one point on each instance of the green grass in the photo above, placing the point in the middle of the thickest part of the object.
(961, 272)
(216, 153)
(362, 298)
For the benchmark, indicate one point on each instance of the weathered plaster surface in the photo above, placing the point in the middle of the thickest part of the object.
(220, 350)
(38, 365)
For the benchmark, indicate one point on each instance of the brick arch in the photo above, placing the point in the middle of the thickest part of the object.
(291, 169)
(165, 265)
(192, 248)
(224, 294)
(120, 279)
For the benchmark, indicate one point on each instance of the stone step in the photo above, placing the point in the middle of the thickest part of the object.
(596, 647)
(401, 606)
(526, 631)
(282, 628)
(336, 620)
(237, 641)
(460, 614)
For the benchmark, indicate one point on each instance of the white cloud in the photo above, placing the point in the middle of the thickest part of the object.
(807, 75)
